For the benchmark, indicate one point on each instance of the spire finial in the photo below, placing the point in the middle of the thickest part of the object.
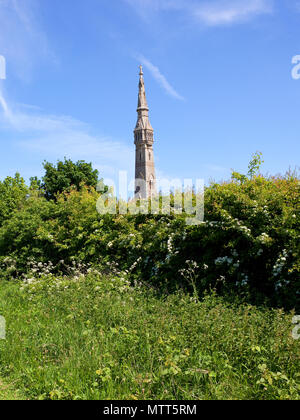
(141, 70)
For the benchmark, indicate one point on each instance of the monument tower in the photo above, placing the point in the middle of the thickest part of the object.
(145, 179)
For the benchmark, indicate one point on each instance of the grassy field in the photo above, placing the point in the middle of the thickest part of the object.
(95, 337)
(8, 392)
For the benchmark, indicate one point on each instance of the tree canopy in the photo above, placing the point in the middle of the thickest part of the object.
(66, 174)
(13, 192)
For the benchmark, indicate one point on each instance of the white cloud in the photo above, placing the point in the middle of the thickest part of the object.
(53, 136)
(212, 13)
(215, 168)
(3, 103)
(24, 44)
(144, 7)
(161, 79)
(22, 41)
(231, 11)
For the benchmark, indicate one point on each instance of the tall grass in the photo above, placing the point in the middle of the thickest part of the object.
(97, 337)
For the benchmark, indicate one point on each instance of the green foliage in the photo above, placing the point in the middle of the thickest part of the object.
(36, 184)
(236, 176)
(8, 392)
(125, 306)
(255, 164)
(23, 235)
(96, 337)
(247, 245)
(253, 169)
(67, 174)
(13, 193)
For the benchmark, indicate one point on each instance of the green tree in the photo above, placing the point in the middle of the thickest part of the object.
(67, 174)
(13, 192)
(253, 169)
(255, 164)
(35, 184)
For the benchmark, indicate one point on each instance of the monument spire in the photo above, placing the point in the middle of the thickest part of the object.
(143, 109)
(145, 180)
(142, 102)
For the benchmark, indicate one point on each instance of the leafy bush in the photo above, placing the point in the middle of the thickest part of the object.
(248, 244)
(127, 307)
(13, 193)
(67, 174)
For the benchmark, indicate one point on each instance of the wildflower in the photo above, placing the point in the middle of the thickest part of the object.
(264, 238)
(223, 260)
(30, 281)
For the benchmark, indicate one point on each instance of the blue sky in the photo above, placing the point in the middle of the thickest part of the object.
(217, 74)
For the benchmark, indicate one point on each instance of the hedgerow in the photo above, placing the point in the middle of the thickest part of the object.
(248, 244)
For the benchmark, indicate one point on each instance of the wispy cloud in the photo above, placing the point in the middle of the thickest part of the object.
(22, 41)
(297, 6)
(53, 136)
(144, 7)
(212, 13)
(231, 11)
(3, 103)
(159, 77)
(24, 44)
(215, 168)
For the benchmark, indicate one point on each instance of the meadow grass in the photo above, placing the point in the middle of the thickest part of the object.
(8, 392)
(97, 337)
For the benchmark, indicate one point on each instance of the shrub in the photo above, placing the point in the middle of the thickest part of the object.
(13, 193)
(67, 174)
(247, 245)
